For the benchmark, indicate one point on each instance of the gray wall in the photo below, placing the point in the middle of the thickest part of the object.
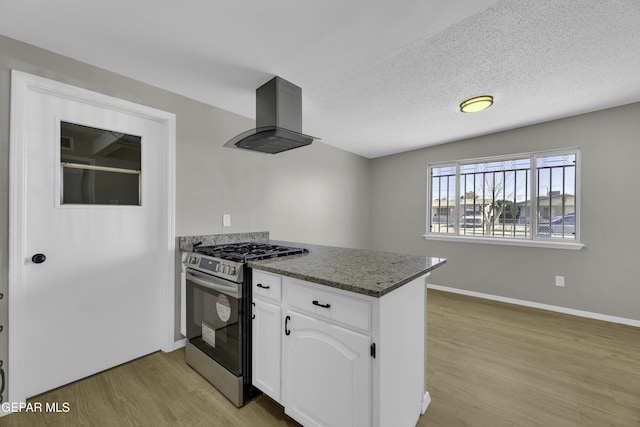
(316, 194)
(601, 278)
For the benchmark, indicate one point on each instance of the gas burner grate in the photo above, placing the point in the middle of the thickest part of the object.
(246, 251)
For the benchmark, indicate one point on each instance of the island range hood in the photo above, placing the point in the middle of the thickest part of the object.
(278, 120)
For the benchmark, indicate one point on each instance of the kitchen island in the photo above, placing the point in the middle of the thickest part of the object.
(339, 335)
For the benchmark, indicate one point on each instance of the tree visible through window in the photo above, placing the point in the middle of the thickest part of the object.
(531, 197)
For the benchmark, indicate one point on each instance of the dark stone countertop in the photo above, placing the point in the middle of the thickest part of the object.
(367, 272)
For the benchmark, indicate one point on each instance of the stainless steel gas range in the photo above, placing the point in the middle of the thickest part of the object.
(218, 313)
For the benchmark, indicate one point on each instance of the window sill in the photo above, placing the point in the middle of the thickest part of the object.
(507, 242)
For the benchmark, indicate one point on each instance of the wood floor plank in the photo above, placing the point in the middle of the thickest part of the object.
(545, 368)
(489, 364)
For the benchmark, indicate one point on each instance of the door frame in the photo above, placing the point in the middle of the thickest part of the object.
(21, 85)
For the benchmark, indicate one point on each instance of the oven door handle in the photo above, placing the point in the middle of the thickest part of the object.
(210, 282)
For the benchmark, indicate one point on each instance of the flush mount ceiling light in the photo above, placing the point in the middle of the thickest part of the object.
(477, 103)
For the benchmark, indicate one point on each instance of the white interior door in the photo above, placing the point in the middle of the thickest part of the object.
(97, 299)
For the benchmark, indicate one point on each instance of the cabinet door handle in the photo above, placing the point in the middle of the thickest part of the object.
(260, 285)
(286, 325)
(253, 304)
(315, 302)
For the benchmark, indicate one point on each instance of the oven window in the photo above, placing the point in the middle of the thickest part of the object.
(98, 166)
(213, 325)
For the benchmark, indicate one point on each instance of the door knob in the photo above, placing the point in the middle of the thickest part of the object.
(38, 258)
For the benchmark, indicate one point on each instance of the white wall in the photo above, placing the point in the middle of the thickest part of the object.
(601, 278)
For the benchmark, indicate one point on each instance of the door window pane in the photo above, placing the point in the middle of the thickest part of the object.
(98, 166)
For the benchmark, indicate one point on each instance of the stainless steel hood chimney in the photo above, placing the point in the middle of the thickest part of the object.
(278, 120)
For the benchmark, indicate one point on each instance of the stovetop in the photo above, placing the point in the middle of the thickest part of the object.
(243, 252)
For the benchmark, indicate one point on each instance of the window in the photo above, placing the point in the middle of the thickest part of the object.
(524, 199)
(99, 167)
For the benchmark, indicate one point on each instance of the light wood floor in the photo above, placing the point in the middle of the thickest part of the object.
(489, 364)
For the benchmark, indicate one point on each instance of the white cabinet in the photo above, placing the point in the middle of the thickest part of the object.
(336, 358)
(266, 360)
(266, 355)
(332, 305)
(327, 373)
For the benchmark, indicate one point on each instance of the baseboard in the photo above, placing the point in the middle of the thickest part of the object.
(548, 307)
(426, 401)
(178, 344)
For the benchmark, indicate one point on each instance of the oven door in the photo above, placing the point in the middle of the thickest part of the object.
(214, 324)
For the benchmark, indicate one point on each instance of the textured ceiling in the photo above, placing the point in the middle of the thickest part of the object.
(379, 76)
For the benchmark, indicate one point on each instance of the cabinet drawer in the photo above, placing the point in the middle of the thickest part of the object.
(267, 285)
(326, 304)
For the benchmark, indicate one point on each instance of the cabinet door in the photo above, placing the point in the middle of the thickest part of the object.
(266, 351)
(327, 373)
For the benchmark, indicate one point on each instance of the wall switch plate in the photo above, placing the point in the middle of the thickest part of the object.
(226, 220)
(560, 281)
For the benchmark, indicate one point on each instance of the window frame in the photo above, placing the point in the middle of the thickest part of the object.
(533, 240)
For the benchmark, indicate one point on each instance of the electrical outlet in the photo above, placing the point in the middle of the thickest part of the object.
(226, 220)
(560, 281)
